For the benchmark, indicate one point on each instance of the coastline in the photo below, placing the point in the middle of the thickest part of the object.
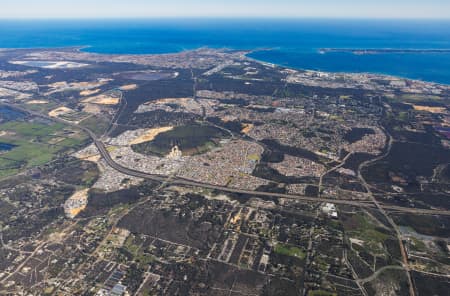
(294, 42)
(82, 49)
(342, 72)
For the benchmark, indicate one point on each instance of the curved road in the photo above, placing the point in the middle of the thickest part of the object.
(181, 181)
(403, 252)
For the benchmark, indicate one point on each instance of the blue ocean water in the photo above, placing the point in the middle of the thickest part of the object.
(293, 43)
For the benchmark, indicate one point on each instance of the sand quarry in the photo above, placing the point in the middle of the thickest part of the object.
(89, 92)
(59, 111)
(36, 102)
(103, 99)
(150, 135)
(437, 110)
(128, 87)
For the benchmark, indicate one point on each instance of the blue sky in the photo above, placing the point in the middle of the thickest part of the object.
(225, 8)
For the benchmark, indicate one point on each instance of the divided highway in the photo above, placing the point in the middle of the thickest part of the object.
(181, 181)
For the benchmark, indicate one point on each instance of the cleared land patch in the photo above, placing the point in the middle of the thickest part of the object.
(430, 109)
(89, 92)
(37, 102)
(151, 134)
(76, 203)
(128, 87)
(60, 111)
(102, 100)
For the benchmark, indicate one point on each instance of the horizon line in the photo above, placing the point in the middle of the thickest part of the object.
(226, 18)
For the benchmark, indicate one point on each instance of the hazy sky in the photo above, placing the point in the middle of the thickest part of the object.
(225, 8)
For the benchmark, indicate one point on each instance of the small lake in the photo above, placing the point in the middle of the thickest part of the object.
(8, 114)
(149, 75)
(6, 146)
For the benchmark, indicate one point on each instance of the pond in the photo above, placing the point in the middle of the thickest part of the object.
(149, 75)
(6, 146)
(8, 114)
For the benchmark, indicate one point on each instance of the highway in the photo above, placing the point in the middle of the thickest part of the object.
(186, 182)
(381, 209)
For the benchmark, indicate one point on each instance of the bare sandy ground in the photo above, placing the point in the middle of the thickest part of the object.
(150, 135)
(89, 153)
(86, 88)
(128, 87)
(102, 100)
(89, 92)
(58, 84)
(76, 203)
(247, 128)
(59, 111)
(184, 105)
(437, 110)
(37, 102)
(92, 108)
(92, 158)
(107, 101)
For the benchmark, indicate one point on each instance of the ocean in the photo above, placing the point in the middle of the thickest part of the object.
(292, 43)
